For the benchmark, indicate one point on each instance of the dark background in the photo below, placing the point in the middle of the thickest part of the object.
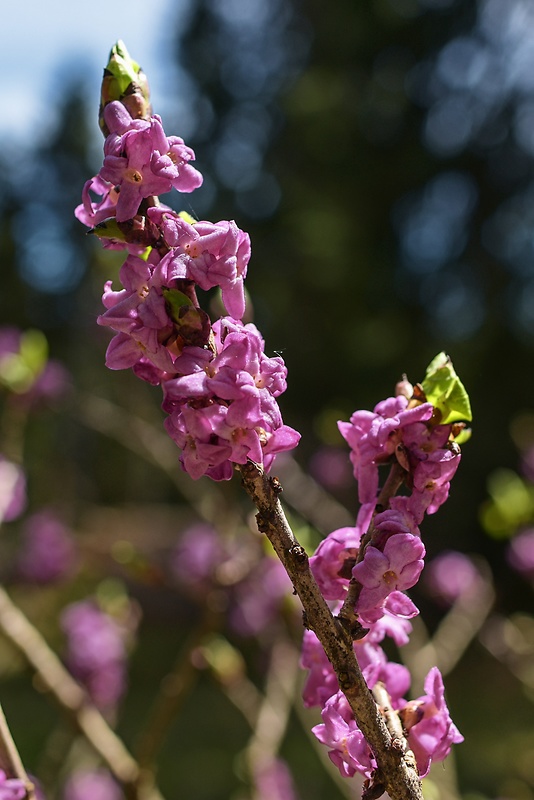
(381, 156)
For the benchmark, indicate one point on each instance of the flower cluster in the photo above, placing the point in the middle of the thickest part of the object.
(364, 571)
(96, 652)
(47, 554)
(91, 785)
(219, 387)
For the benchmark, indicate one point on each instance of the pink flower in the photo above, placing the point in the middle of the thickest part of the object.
(274, 781)
(521, 553)
(333, 560)
(391, 619)
(398, 566)
(452, 575)
(48, 552)
(11, 788)
(96, 652)
(208, 253)
(196, 557)
(92, 785)
(257, 599)
(140, 161)
(373, 438)
(348, 749)
(12, 490)
(431, 731)
(227, 413)
(321, 682)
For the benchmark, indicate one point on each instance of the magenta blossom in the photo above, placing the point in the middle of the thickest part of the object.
(373, 437)
(48, 553)
(210, 254)
(140, 161)
(521, 553)
(273, 780)
(12, 490)
(452, 575)
(321, 682)
(196, 557)
(227, 413)
(391, 618)
(11, 788)
(256, 601)
(398, 566)
(91, 785)
(96, 652)
(431, 731)
(333, 561)
(348, 749)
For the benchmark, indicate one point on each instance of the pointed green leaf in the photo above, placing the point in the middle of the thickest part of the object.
(444, 389)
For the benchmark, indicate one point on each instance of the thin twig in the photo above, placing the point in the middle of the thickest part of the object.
(273, 714)
(152, 444)
(74, 700)
(456, 631)
(397, 771)
(173, 689)
(10, 760)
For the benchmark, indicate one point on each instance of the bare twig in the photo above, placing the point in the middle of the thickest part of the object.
(273, 713)
(73, 699)
(10, 760)
(397, 770)
(456, 631)
(173, 689)
(156, 447)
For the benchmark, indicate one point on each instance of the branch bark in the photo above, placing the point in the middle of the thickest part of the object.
(397, 771)
(73, 699)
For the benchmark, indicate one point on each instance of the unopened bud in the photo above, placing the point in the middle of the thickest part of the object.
(404, 388)
(124, 80)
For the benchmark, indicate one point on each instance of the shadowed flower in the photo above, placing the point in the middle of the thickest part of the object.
(47, 553)
(397, 567)
(452, 575)
(12, 490)
(431, 731)
(96, 652)
(92, 785)
(521, 553)
(11, 788)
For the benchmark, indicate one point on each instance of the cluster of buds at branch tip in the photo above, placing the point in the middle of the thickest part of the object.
(219, 386)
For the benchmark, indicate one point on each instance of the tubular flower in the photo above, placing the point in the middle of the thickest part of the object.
(397, 567)
(431, 731)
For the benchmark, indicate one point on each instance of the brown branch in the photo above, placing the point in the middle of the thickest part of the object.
(10, 760)
(74, 700)
(397, 772)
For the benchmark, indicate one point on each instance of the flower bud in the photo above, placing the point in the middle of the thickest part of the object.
(124, 80)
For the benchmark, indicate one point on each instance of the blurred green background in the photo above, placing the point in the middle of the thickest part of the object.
(381, 156)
